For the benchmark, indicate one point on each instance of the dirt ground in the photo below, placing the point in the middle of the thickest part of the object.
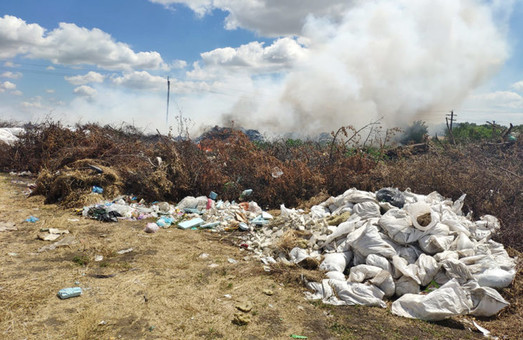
(165, 289)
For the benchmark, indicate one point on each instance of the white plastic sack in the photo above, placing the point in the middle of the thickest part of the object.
(358, 293)
(398, 225)
(356, 196)
(496, 278)
(342, 230)
(319, 212)
(188, 202)
(366, 210)
(336, 261)
(378, 261)
(427, 268)
(418, 209)
(335, 275)
(363, 272)
(409, 270)
(448, 300)
(457, 270)
(367, 240)
(406, 285)
(432, 244)
(486, 301)
(385, 283)
(297, 254)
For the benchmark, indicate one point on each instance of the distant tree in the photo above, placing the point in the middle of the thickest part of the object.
(414, 133)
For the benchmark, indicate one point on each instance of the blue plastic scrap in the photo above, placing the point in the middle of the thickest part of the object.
(213, 195)
(32, 219)
(259, 220)
(195, 222)
(209, 225)
(67, 293)
(97, 190)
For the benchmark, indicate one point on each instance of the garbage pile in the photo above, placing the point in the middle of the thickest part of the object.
(420, 249)
(190, 213)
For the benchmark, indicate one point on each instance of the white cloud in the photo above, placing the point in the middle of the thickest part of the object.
(498, 99)
(11, 75)
(50, 91)
(85, 91)
(267, 17)
(16, 93)
(18, 37)
(140, 80)
(50, 68)
(6, 86)
(10, 64)
(72, 45)
(178, 64)
(518, 86)
(251, 58)
(91, 77)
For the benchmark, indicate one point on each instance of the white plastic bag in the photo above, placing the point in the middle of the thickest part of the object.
(367, 240)
(448, 300)
(336, 261)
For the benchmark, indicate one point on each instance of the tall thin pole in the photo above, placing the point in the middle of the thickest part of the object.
(168, 93)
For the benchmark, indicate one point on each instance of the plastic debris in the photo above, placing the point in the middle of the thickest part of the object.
(195, 222)
(124, 251)
(67, 293)
(295, 336)
(32, 219)
(276, 172)
(97, 190)
(151, 228)
(213, 195)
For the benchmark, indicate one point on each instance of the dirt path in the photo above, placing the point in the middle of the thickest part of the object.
(164, 288)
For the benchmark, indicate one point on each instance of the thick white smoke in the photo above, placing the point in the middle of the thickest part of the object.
(401, 60)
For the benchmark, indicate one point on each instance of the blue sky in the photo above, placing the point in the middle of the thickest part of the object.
(295, 65)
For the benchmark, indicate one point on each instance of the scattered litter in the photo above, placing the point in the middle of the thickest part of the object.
(73, 220)
(97, 190)
(213, 195)
(12, 254)
(232, 261)
(32, 219)
(203, 256)
(124, 251)
(52, 234)
(98, 258)
(228, 296)
(268, 292)
(102, 323)
(214, 265)
(195, 222)
(65, 242)
(294, 336)
(151, 228)
(67, 293)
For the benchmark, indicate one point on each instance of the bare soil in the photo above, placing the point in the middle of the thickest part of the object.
(165, 289)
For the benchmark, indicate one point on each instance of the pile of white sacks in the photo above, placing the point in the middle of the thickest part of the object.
(384, 251)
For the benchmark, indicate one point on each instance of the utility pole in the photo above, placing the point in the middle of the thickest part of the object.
(168, 93)
(450, 122)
